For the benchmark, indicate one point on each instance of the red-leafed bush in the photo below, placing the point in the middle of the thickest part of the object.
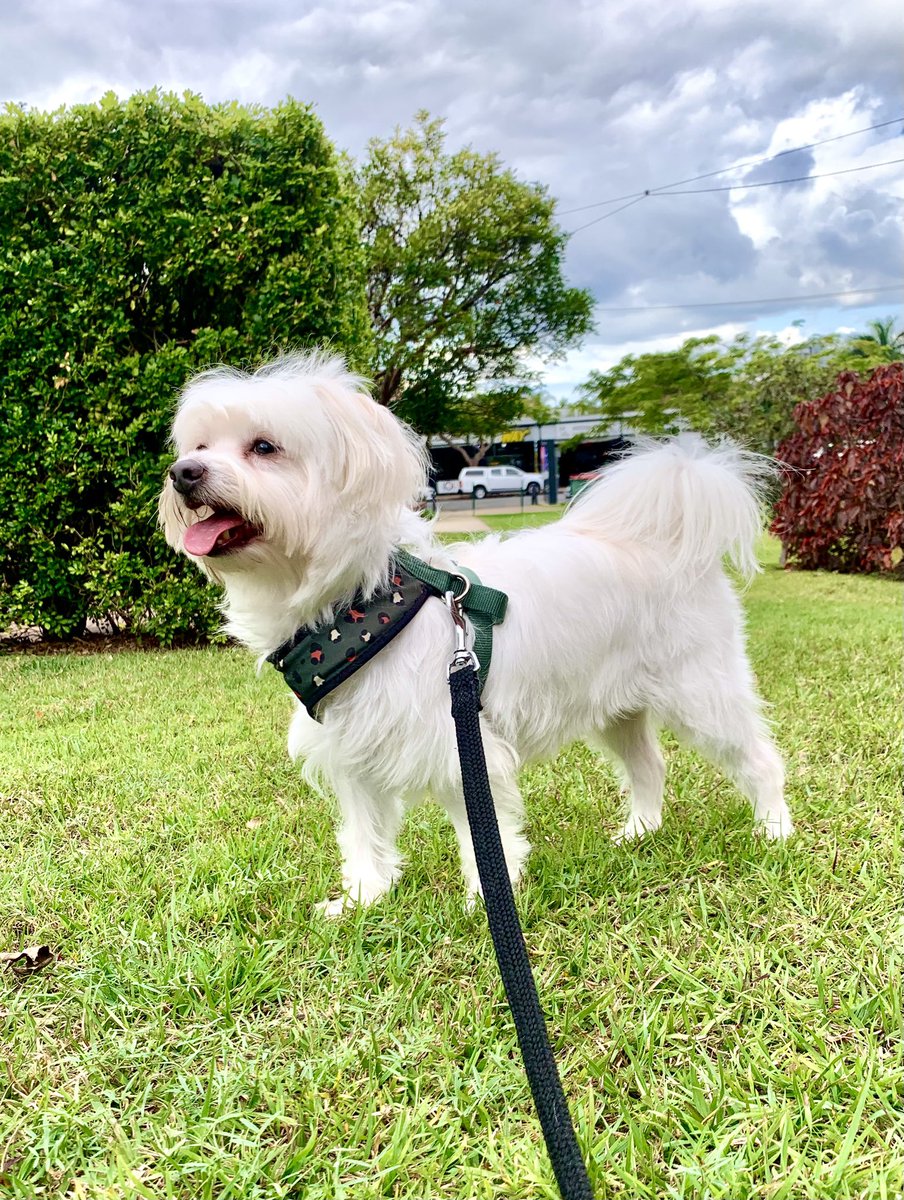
(843, 503)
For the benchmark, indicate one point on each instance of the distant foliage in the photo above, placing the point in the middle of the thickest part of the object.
(843, 503)
(140, 240)
(747, 388)
(883, 342)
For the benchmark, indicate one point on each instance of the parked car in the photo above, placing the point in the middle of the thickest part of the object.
(480, 481)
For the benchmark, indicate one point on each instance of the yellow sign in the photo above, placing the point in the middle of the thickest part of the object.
(514, 435)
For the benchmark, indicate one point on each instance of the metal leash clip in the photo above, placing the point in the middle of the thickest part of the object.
(463, 655)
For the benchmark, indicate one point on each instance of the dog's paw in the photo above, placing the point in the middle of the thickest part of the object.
(354, 896)
(775, 827)
(331, 909)
(634, 829)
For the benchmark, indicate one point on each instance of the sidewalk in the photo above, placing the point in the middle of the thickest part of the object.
(448, 522)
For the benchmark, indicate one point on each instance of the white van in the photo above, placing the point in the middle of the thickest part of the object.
(481, 481)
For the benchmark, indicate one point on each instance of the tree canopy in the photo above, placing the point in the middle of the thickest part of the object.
(139, 241)
(464, 281)
(747, 388)
(882, 342)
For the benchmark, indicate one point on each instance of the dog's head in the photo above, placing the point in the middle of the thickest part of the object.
(291, 465)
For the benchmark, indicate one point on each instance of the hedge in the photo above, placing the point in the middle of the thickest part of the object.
(140, 241)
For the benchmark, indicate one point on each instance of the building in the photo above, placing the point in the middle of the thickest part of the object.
(580, 447)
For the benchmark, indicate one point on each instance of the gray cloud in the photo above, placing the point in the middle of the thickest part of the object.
(592, 100)
(788, 166)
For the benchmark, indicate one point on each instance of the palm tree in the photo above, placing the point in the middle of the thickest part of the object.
(884, 342)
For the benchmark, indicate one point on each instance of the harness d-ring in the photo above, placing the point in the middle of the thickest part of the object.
(465, 580)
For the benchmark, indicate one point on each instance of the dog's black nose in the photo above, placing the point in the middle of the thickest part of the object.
(186, 474)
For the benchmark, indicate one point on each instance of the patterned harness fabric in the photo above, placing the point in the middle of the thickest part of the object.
(316, 659)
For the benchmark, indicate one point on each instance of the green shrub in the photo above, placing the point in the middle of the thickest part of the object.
(139, 241)
(842, 508)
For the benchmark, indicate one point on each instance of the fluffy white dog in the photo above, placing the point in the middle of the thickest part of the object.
(293, 488)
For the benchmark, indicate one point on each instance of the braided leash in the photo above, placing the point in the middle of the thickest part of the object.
(505, 929)
(312, 670)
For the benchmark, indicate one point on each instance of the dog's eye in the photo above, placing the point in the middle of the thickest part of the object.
(201, 447)
(262, 446)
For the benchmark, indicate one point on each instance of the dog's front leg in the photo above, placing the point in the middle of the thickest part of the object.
(368, 828)
(510, 816)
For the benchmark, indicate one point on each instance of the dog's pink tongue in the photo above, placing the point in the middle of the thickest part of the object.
(199, 539)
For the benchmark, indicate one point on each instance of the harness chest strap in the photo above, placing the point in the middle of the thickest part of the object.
(484, 606)
(316, 659)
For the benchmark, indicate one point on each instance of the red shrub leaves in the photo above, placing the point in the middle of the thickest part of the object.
(843, 503)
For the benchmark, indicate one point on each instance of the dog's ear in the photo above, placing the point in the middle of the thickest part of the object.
(384, 462)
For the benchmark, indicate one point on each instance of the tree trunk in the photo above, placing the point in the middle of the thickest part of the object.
(388, 383)
(473, 460)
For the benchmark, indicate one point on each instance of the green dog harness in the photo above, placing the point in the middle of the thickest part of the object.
(316, 659)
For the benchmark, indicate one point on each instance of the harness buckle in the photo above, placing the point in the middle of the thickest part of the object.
(462, 655)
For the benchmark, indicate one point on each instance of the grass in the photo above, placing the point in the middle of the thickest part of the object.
(501, 522)
(727, 1013)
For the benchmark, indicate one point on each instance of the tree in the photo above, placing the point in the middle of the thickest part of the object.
(843, 503)
(663, 392)
(139, 241)
(747, 389)
(464, 278)
(480, 419)
(884, 342)
(769, 380)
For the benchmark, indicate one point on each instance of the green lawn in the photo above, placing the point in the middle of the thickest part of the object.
(530, 519)
(727, 1012)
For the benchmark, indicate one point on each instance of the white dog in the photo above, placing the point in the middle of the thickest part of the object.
(293, 488)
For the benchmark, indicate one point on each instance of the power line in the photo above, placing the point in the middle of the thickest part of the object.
(764, 300)
(752, 162)
(742, 187)
(606, 216)
(734, 187)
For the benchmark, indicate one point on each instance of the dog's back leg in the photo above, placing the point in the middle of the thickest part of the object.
(368, 829)
(717, 711)
(631, 741)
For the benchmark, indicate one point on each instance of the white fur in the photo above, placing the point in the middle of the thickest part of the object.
(620, 619)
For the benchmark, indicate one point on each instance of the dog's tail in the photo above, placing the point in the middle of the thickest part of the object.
(691, 502)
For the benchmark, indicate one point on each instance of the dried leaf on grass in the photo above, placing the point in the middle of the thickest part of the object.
(28, 960)
(7, 1170)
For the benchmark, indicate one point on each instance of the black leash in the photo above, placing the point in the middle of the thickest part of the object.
(508, 940)
(316, 660)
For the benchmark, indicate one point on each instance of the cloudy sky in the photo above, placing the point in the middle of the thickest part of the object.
(600, 102)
